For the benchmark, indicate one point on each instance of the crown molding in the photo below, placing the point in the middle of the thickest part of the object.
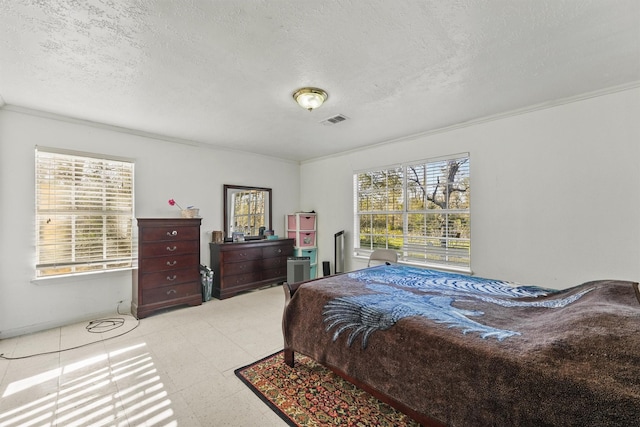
(486, 119)
(158, 137)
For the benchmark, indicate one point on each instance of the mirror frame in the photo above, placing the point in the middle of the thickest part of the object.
(228, 190)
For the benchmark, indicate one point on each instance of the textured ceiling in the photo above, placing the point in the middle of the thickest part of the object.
(222, 72)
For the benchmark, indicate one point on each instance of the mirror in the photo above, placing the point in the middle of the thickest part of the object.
(247, 210)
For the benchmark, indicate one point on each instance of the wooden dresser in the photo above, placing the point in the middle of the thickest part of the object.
(168, 272)
(248, 265)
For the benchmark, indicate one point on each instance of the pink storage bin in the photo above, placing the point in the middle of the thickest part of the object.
(303, 238)
(307, 221)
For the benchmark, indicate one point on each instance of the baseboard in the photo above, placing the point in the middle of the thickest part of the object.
(39, 327)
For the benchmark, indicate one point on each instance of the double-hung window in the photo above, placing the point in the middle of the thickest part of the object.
(84, 212)
(419, 209)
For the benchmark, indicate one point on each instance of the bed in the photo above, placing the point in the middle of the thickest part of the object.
(455, 350)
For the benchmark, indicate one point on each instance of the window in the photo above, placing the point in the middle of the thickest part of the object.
(84, 213)
(419, 209)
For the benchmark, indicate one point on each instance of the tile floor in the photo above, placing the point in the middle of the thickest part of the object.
(174, 369)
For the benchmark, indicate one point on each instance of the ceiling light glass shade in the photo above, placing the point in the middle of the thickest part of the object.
(310, 97)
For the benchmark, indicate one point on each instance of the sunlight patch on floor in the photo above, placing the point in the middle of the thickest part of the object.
(113, 388)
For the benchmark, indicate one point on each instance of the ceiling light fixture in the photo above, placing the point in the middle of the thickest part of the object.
(310, 97)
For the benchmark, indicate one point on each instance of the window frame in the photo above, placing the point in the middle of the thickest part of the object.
(88, 199)
(451, 250)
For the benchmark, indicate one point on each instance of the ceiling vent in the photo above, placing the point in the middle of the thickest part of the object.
(334, 120)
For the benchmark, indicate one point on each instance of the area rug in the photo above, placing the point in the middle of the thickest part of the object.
(312, 395)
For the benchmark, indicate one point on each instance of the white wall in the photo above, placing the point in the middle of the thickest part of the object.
(555, 198)
(555, 193)
(190, 174)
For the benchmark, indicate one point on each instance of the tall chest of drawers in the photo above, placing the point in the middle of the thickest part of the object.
(168, 271)
(248, 265)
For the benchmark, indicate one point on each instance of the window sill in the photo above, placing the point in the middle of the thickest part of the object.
(76, 277)
(449, 269)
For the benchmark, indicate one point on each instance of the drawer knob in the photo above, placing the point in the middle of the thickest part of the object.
(171, 291)
(279, 250)
(172, 263)
(172, 278)
(172, 249)
(172, 233)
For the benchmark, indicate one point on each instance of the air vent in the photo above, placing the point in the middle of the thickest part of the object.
(334, 120)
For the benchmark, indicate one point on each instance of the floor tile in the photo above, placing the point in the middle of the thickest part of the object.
(175, 367)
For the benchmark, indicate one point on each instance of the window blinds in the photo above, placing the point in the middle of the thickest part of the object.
(419, 209)
(84, 213)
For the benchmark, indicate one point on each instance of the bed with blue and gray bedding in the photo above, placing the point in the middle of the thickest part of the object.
(456, 350)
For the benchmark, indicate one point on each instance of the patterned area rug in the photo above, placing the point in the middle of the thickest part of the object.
(312, 395)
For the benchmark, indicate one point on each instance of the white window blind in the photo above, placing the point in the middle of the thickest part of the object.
(84, 213)
(420, 209)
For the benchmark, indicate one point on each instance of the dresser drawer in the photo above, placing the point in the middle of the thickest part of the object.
(275, 273)
(171, 262)
(169, 248)
(237, 255)
(170, 277)
(151, 234)
(167, 293)
(233, 268)
(277, 251)
(240, 279)
(274, 262)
